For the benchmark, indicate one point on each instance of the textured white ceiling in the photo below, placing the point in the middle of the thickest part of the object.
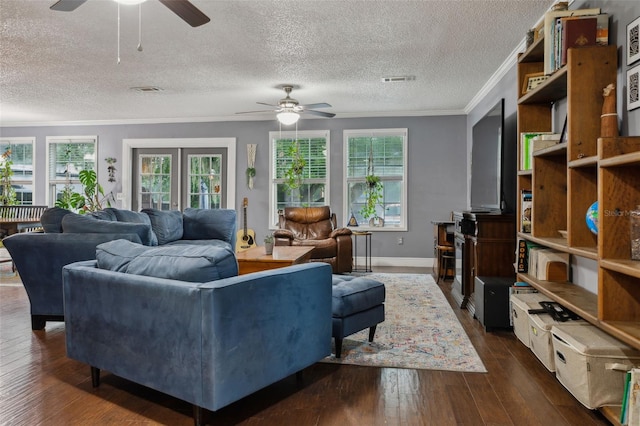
(61, 66)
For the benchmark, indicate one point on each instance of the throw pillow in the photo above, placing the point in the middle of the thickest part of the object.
(210, 224)
(51, 219)
(167, 225)
(115, 255)
(87, 224)
(185, 263)
(130, 216)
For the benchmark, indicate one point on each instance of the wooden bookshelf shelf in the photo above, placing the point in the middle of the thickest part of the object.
(630, 159)
(524, 172)
(624, 266)
(552, 89)
(572, 297)
(558, 149)
(591, 161)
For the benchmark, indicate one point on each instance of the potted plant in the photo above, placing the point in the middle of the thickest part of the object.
(7, 194)
(268, 244)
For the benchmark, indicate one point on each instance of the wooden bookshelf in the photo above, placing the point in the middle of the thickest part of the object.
(567, 178)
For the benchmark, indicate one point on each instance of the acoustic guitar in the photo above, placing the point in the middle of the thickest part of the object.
(246, 237)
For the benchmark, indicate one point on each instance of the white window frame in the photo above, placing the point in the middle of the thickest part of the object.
(25, 141)
(306, 134)
(350, 133)
(51, 140)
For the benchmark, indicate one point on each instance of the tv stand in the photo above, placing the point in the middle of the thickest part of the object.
(485, 246)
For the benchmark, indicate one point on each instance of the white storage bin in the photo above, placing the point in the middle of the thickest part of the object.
(520, 305)
(591, 364)
(540, 337)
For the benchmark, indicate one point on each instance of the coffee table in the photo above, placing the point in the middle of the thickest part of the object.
(255, 259)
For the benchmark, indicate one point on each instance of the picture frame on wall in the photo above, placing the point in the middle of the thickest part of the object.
(633, 88)
(633, 41)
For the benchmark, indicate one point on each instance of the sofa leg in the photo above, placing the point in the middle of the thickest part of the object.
(38, 322)
(95, 377)
(198, 415)
(372, 332)
(338, 347)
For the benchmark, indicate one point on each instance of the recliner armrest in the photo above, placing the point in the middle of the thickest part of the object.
(340, 231)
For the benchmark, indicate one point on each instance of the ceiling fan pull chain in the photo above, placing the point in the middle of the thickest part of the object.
(118, 33)
(140, 27)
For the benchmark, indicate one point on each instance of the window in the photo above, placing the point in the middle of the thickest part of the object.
(204, 181)
(20, 153)
(66, 157)
(383, 152)
(313, 188)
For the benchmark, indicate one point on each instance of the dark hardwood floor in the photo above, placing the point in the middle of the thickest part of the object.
(39, 385)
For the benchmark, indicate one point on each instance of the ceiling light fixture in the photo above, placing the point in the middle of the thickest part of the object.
(130, 2)
(288, 117)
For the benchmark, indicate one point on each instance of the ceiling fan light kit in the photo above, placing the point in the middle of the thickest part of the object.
(288, 117)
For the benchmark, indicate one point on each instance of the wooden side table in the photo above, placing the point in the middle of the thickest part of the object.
(367, 251)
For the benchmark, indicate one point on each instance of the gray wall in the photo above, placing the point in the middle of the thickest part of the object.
(436, 170)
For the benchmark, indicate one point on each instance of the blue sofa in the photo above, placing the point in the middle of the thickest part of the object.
(70, 237)
(208, 343)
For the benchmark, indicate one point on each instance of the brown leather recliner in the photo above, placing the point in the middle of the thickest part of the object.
(316, 226)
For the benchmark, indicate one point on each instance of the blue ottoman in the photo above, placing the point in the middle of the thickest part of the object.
(357, 303)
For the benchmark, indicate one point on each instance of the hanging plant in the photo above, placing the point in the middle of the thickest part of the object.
(293, 174)
(8, 195)
(374, 194)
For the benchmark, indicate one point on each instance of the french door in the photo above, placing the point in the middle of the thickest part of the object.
(165, 177)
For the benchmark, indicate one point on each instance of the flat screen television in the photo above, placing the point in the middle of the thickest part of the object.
(490, 163)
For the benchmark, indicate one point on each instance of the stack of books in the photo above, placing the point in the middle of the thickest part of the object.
(571, 29)
(533, 141)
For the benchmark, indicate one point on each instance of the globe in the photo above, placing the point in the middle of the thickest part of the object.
(592, 218)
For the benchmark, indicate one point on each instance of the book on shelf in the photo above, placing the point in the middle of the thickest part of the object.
(633, 398)
(548, 264)
(577, 31)
(534, 141)
(526, 207)
(524, 247)
(552, 19)
(624, 413)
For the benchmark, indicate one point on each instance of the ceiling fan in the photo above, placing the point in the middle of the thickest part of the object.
(288, 109)
(183, 8)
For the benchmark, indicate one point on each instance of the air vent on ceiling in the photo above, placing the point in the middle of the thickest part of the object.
(399, 79)
(146, 89)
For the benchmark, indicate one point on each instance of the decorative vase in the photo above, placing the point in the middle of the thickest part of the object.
(268, 248)
(634, 222)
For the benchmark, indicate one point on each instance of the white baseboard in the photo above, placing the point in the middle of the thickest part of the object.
(413, 262)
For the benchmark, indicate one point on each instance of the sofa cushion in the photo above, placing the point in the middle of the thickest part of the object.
(106, 214)
(355, 294)
(51, 219)
(185, 263)
(208, 243)
(167, 225)
(117, 254)
(77, 223)
(209, 224)
(130, 216)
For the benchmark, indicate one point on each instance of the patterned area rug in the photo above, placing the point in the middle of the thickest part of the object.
(420, 331)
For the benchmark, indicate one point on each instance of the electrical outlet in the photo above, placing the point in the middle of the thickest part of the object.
(119, 196)
(400, 241)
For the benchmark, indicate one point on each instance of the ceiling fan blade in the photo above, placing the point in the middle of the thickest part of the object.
(187, 11)
(319, 113)
(271, 105)
(66, 5)
(319, 105)
(256, 112)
